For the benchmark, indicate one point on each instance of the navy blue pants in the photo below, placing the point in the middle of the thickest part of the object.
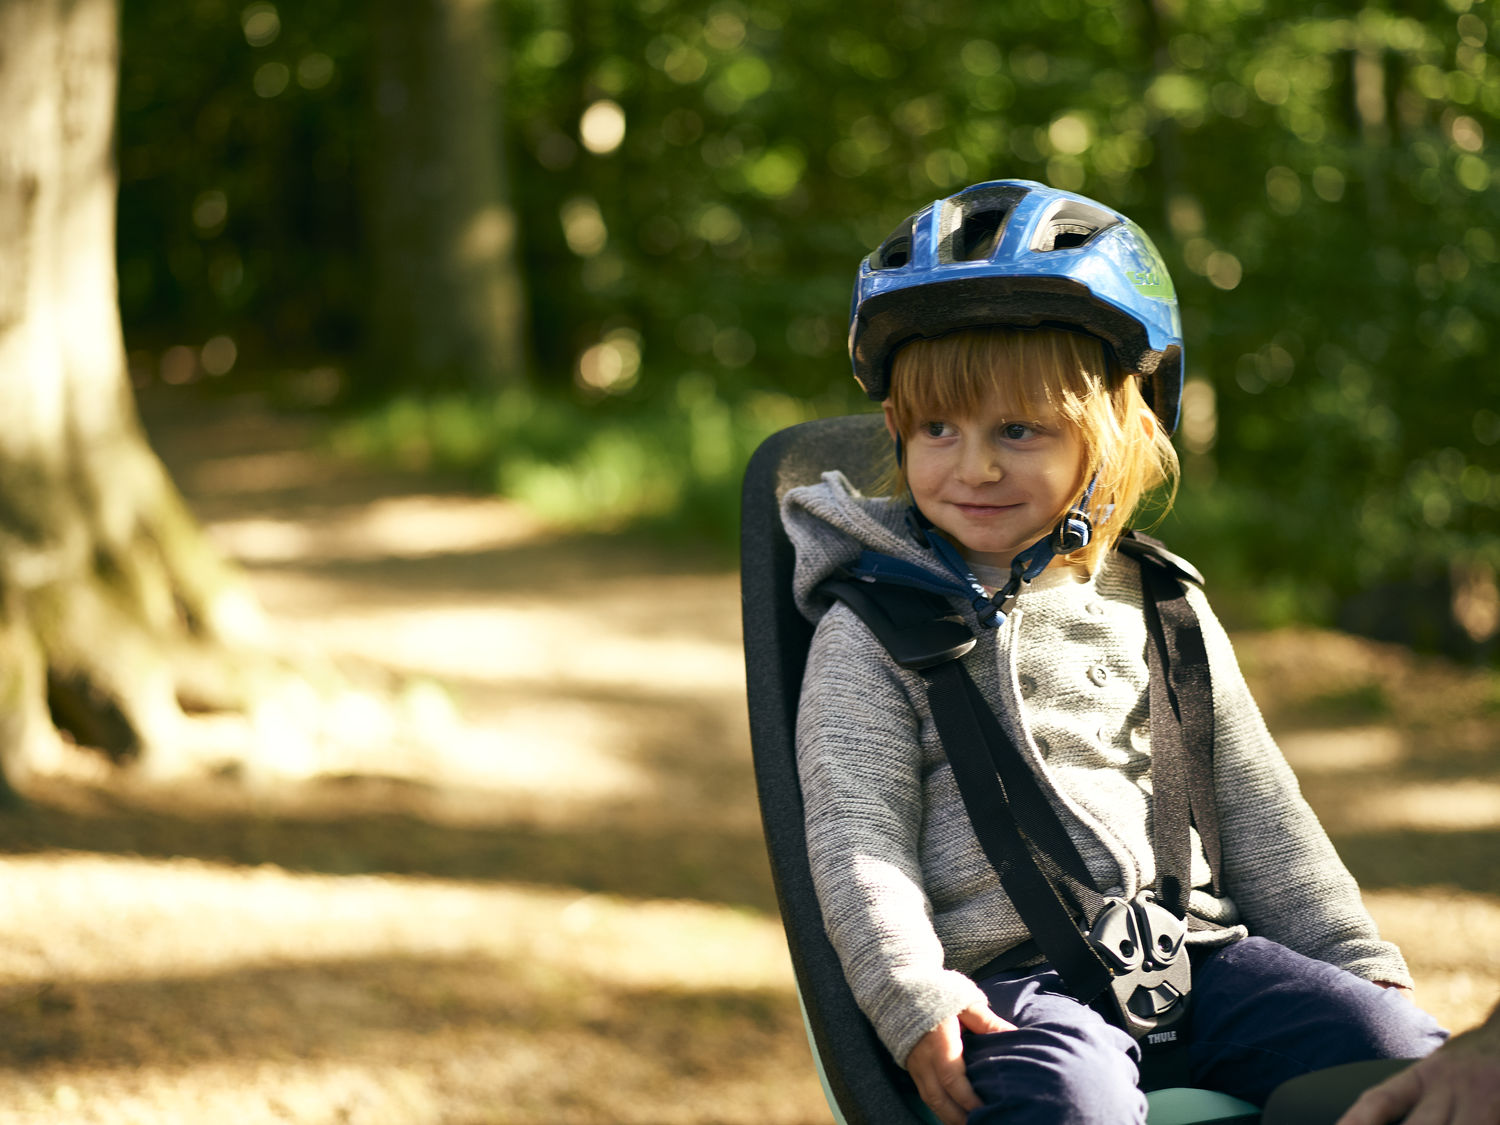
(1261, 1015)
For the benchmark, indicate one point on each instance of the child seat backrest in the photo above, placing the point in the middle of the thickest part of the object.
(869, 1088)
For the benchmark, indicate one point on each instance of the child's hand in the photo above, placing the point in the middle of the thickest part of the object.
(936, 1063)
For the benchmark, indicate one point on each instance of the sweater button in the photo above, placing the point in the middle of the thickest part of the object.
(1098, 674)
(1095, 608)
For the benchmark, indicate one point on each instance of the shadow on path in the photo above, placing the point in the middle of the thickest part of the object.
(381, 827)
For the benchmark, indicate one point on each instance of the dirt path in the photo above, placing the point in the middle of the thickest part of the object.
(511, 872)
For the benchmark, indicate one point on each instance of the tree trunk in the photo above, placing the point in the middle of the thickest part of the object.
(449, 303)
(107, 587)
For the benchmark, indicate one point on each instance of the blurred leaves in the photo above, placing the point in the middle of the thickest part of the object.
(696, 182)
(241, 133)
(676, 470)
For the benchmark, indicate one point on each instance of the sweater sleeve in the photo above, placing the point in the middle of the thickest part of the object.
(860, 761)
(1279, 865)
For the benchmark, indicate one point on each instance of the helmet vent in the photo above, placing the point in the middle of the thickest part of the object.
(894, 254)
(974, 221)
(978, 236)
(1071, 225)
(895, 251)
(1066, 237)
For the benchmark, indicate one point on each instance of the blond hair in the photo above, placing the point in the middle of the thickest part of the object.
(1126, 448)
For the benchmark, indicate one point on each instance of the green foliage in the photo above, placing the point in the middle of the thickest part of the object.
(1364, 702)
(241, 141)
(697, 181)
(675, 467)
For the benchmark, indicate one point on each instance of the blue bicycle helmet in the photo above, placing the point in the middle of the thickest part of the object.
(1015, 252)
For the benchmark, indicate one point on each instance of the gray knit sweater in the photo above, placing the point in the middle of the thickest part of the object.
(909, 900)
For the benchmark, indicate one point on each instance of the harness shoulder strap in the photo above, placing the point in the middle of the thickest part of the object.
(1182, 724)
(923, 634)
(919, 629)
(1141, 546)
(975, 744)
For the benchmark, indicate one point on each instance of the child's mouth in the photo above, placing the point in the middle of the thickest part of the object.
(983, 510)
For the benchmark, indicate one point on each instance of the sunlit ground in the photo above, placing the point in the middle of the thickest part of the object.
(514, 873)
(178, 990)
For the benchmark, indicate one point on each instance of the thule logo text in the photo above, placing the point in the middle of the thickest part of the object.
(1161, 1037)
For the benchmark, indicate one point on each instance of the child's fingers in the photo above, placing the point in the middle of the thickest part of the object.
(936, 1065)
(956, 1086)
(947, 1092)
(982, 1020)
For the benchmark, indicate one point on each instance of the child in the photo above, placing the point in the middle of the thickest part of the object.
(1026, 346)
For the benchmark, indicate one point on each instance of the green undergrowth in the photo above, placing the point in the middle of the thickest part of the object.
(1366, 702)
(671, 467)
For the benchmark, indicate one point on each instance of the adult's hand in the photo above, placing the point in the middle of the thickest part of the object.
(936, 1063)
(1458, 1084)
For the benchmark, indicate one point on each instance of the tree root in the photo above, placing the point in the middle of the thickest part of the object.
(138, 616)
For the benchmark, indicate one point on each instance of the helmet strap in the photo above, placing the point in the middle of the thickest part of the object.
(990, 609)
(1076, 528)
(1072, 533)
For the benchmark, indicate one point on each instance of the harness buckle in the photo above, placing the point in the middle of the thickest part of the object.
(1143, 944)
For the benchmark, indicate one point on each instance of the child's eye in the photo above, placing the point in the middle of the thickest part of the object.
(1017, 431)
(936, 429)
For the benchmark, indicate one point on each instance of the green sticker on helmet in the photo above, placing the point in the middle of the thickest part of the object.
(1152, 278)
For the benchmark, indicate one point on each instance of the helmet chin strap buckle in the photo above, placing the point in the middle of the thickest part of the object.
(1073, 532)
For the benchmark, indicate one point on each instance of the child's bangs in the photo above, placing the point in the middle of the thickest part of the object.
(1024, 374)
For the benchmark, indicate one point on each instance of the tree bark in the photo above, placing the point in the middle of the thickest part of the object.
(449, 299)
(107, 587)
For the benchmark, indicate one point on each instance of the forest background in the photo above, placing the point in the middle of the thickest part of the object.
(690, 186)
(359, 360)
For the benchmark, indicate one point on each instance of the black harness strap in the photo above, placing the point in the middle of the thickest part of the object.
(917, 628)
(1171, 806)
(1182, 688)
(923, 634)
(968, 727)
(1035, 812)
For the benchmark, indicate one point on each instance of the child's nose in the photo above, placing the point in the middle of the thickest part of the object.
(980, 463)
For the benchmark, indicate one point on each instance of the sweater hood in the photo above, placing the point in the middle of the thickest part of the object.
(831, 522)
